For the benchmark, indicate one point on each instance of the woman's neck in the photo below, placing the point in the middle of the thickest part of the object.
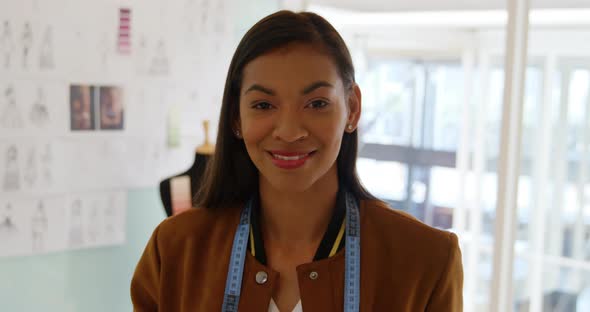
(297, 219)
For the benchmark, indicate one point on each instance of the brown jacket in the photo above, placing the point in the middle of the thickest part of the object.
(405, 266)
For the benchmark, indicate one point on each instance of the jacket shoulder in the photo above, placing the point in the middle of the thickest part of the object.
(400, 230)
(197, 224)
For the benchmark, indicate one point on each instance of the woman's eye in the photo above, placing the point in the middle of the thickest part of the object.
(317, 104)
(262, 105)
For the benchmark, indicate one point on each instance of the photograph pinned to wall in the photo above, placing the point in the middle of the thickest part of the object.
(111, 108)
(81, 107)
(124, 37)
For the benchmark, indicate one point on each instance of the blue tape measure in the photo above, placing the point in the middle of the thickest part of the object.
(233, 284)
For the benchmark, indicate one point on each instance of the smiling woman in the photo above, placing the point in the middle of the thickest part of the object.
(283, 222)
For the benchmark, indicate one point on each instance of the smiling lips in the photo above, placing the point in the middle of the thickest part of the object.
(290, 160)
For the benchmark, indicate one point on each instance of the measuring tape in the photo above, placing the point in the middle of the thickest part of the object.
(233, 284)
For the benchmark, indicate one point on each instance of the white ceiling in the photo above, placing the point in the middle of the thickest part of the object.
(442, 5)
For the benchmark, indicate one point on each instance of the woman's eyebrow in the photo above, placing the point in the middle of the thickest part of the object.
(306, 90)
(257, 87)
(316, 85)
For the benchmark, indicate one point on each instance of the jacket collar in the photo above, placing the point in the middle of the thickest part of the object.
(332, 241)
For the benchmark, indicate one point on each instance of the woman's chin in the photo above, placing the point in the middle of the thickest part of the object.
(290, 184)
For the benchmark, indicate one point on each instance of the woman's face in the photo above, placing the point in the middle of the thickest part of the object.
(294, 110)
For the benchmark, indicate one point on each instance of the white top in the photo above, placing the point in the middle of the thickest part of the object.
(273, 307)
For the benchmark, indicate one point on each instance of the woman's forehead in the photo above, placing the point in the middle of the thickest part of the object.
(295, 65)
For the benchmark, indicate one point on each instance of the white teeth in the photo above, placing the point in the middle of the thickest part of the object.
(289, 157)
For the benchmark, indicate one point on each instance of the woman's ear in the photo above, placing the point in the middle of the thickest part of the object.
(354, 108)
(237, 129)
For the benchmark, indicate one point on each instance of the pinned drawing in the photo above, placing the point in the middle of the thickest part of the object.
(189, 18)
(30, 171)
(46, 50)
(219, 23)
(103, 50)
(10, 115)
(75, 236)
(6, 44)
(204, 14)
(27, 44)
(110, 217)
(7, 225)
(11, 170)
(93, 224)
(39, 227)
(45, 160)
(39, 114)
(141, 59)
(160, 64)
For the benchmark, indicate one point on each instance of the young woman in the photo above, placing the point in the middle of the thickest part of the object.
(283, 223)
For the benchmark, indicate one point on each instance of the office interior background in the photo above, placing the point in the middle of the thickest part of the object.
(476, 119)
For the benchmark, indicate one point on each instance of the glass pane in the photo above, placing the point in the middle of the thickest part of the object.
(389, 93)
(483, 288)
(447, 90)
(568, 219)
(444, 189)
(565, 289)
(385, 179)
(520, 279)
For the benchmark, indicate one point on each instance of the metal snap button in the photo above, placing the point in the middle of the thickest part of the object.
(261, 277)
(313, 275)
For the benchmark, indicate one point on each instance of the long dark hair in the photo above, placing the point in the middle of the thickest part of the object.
(231, 177)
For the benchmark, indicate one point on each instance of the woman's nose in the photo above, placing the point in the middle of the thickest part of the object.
(289, 127)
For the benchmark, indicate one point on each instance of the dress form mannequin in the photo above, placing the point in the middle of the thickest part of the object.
(178, 191)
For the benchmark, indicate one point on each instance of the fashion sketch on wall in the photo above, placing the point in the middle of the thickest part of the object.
(45, 164)
(46, 60)
(76, 230)
(10, 115)
(160, 62)
(11, 179)
(7, 45)
(27, 44)
(7, 225)
(93, 223)
(30, 171)
(39, 227)
(39, 114)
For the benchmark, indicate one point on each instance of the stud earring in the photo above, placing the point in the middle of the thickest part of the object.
(349, 127)
(238, 133)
